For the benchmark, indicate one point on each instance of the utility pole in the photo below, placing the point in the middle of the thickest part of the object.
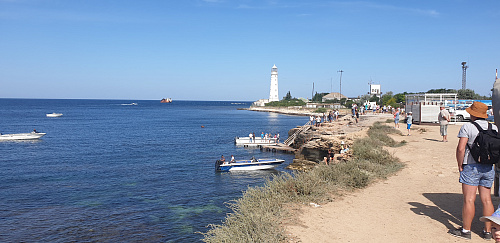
(464, 70)
(341, 71)
(331, 85)
(312, 93)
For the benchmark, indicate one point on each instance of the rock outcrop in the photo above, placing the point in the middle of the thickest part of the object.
(313, 144)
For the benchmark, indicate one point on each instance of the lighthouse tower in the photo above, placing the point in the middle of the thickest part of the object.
(273, 93)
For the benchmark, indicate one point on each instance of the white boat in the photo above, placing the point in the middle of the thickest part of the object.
(252, 164)
(246, 141)
(54, 115)
(22, 136)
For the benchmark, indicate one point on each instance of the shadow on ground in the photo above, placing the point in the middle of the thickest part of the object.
(447, 209)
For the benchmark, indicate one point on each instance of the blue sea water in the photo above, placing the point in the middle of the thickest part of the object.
(111, 172)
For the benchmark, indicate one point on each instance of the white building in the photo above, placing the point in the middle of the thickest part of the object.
(273, 92)
(375, 90)
(333, 96)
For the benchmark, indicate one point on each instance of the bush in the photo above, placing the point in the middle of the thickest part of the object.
(257, 214)
(321, 110)
(286, 103)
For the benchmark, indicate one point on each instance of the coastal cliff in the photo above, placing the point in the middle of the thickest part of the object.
(312, 145)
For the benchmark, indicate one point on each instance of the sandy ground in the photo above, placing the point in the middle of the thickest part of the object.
(418, 204)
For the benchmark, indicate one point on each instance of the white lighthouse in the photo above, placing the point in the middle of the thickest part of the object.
(273, 92)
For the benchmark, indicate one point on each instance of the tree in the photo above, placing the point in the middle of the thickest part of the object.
(392, 102)
(386, 97)
(374, 98)
(441, 91)
(318, 97)
(364, 98)
(283, 103)
(288, 96)
(465, 94)
(348, 103)
(400, 97)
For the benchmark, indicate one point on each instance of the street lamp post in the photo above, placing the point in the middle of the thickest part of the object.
(341, 71)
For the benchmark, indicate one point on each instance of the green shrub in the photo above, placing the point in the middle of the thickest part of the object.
(257, 215)
(286, 103)
(321, 110)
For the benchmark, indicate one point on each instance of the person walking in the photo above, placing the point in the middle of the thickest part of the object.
(409, 120)
(357, 116)
(444, 119)
(474, 176)
(396, 118)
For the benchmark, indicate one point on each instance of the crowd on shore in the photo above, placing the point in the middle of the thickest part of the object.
(264, 137)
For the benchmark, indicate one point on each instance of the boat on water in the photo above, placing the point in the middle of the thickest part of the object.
(167, 100)
(249, 142)
(252, 164)
(54, 115)
(22, 136)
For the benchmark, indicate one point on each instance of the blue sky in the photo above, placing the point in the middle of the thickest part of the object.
(224, 49)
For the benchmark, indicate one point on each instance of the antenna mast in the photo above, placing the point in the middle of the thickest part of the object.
(464, 74)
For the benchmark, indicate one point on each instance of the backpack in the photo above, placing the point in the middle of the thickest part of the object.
(486, 147)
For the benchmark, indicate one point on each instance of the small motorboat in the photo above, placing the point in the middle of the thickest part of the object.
(167, 100)
(252, 164)
(54, 115)
(22, 136)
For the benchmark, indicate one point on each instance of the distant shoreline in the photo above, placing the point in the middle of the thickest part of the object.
(284, 110)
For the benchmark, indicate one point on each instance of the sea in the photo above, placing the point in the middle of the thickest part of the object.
(113, 171)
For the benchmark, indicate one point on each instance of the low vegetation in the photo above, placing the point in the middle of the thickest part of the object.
(285, 103)
(321, 110)
(258, 214)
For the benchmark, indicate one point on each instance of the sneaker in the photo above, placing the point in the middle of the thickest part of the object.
(487, 235)
(460, 234)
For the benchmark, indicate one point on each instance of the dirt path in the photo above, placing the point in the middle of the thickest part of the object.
(419, 204)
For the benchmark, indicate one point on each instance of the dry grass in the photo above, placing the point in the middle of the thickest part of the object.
(258, 214)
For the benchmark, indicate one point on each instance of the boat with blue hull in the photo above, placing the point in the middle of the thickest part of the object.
(252, 164)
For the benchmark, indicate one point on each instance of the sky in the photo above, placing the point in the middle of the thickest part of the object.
(224, 49)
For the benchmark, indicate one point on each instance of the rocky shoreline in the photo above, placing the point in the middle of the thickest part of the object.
(296, 111)
(313, 144)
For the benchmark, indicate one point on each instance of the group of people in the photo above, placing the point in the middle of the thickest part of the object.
(474, 176)
(331, 153)
(331, 116)
(223, 160)
(409, 119)
(265, 137)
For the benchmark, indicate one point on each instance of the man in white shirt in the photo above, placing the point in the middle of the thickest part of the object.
(444, 118)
